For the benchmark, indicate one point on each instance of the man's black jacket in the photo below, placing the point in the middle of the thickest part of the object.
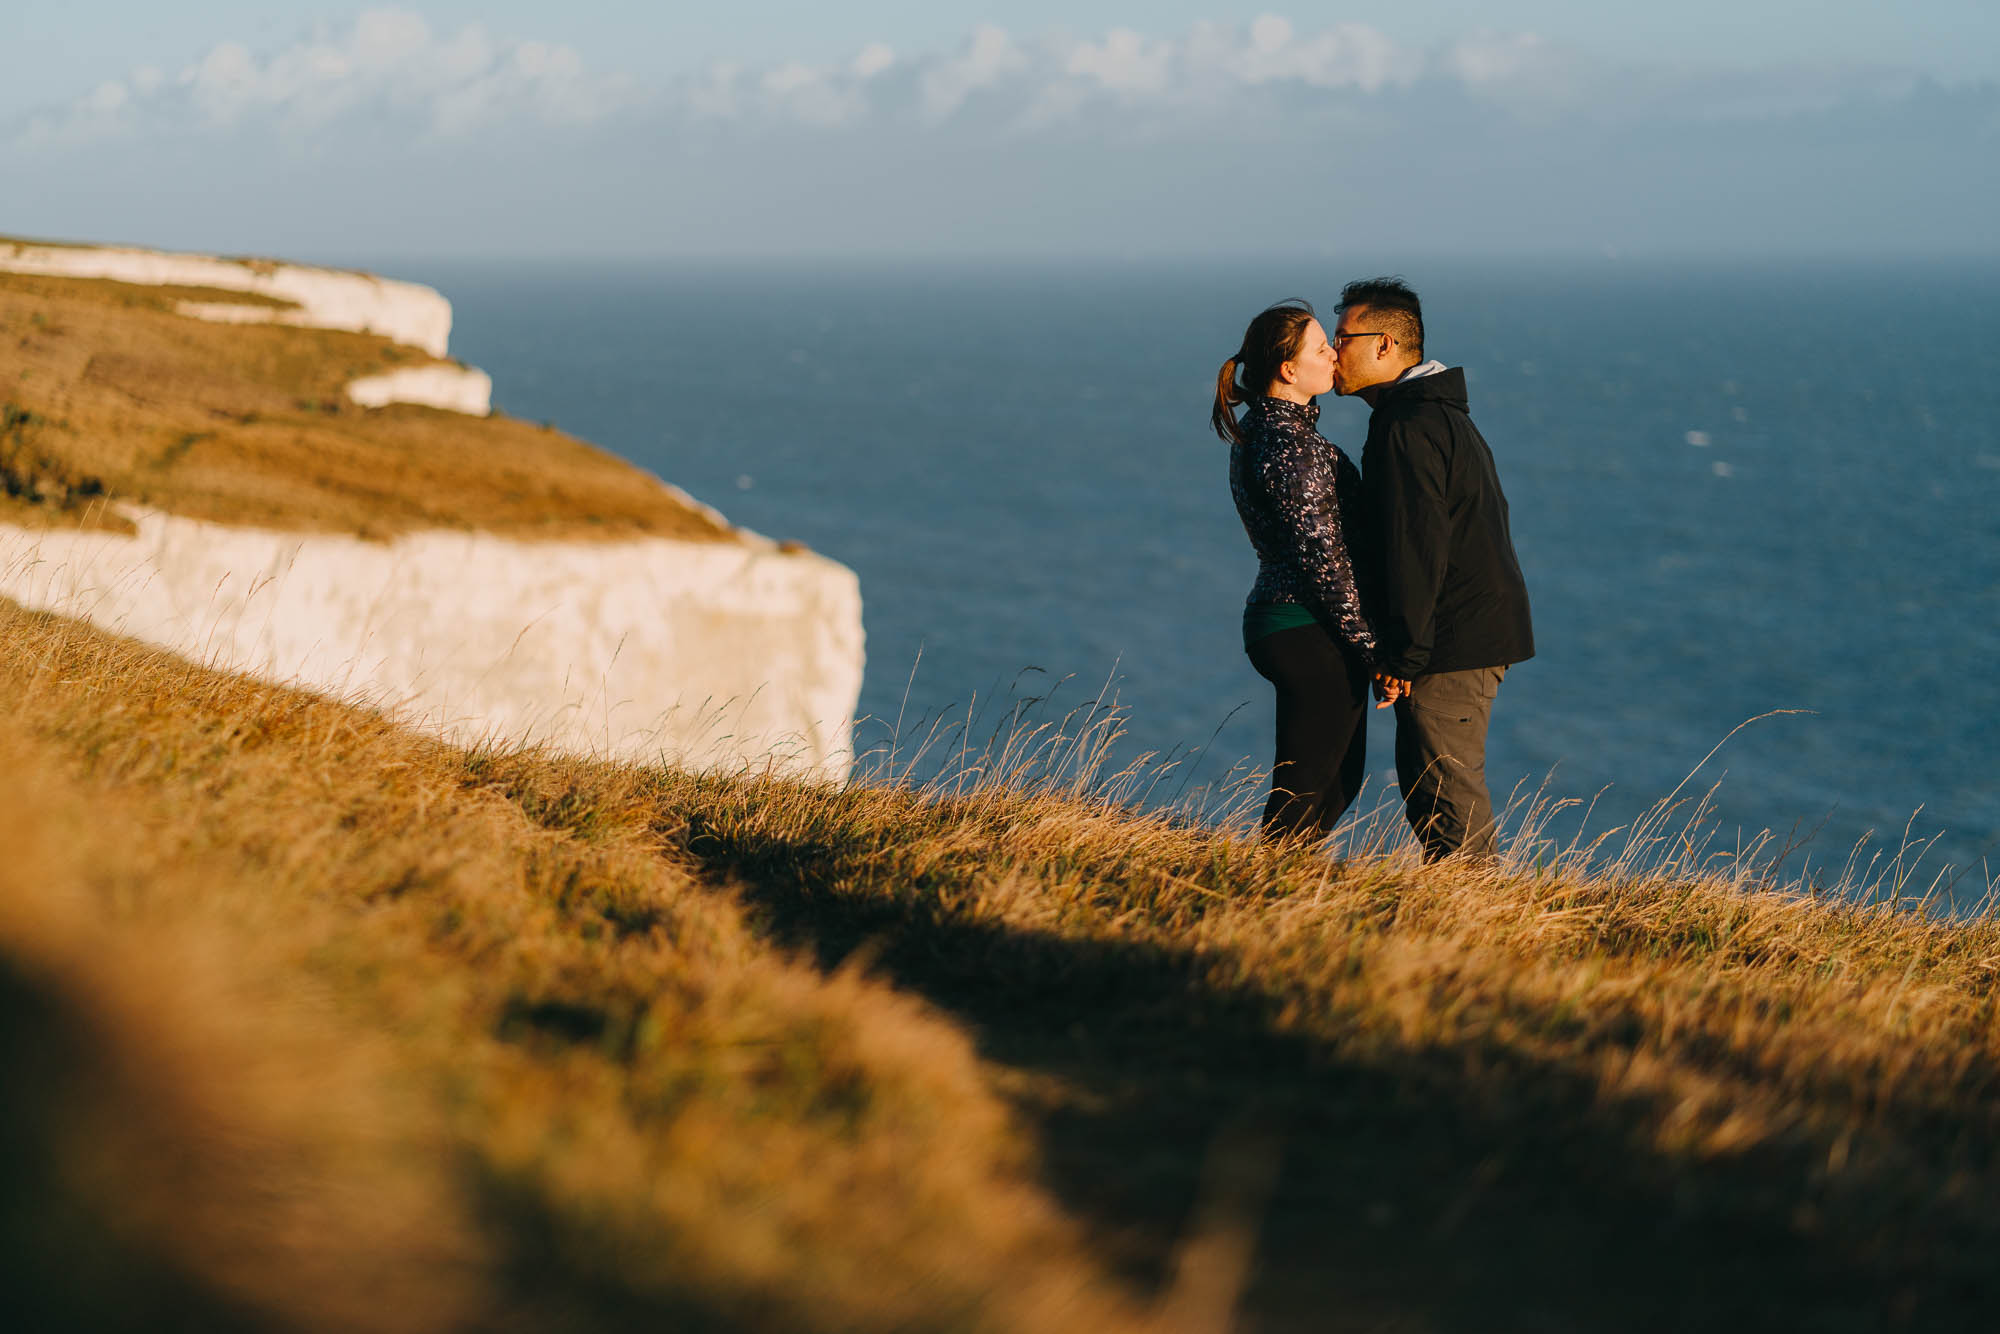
(1449, 593)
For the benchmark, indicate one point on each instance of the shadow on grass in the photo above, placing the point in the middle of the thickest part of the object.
(1457, 1188)
(549, 1280)
(65, 1262)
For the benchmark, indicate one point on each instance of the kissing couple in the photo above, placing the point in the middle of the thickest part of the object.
(1399, 575)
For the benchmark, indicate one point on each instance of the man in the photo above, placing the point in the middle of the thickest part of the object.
(1451, 610)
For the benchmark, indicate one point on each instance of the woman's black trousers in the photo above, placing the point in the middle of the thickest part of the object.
(1322, 729)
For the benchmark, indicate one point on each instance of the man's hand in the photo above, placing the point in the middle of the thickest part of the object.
(1389, 689)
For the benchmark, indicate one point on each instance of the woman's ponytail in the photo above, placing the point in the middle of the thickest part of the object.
(1273, 338)
(1228, 394)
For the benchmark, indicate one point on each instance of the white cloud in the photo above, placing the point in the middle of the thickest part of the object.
(107, 98)
(873, 59)
(390, 65)
(1124, 62)
(465, 56)
(989, 56)
(1343, 56)
(390, 68)
(387, 59)
(226, 80)
(1527, 75)
(811, 95)
(819, 96)
(1492, 58)
(716, 95)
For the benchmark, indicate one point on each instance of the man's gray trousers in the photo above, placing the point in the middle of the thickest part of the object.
(1441, 761)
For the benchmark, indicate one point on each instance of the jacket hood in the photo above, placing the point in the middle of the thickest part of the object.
(1447, 386)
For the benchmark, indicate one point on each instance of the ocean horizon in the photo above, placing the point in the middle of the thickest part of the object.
(1739, 491)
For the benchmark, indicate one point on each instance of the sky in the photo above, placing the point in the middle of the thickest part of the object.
(897, 128)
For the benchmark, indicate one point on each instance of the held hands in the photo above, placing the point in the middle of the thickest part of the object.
(1389, 689)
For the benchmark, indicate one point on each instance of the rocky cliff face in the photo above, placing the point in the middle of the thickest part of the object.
(726, 653)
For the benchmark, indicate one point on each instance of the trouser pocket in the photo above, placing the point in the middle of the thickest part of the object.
(1458, 697)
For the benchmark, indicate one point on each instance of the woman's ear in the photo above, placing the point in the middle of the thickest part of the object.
(1288, 371)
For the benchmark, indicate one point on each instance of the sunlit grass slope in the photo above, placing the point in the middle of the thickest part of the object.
(311, 1023)
(107, 395)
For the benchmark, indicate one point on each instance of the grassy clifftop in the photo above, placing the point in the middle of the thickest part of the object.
(106, 394)
(312, 1023)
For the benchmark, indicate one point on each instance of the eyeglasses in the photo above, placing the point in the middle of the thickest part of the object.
(1338, 338)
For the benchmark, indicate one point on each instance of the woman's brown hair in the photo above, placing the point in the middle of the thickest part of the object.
(1273, 338)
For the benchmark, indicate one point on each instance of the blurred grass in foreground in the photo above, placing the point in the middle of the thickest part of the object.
(308, 1022)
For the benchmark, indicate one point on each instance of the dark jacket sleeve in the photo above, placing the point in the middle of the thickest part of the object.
(1404, 471)
(1304, 503)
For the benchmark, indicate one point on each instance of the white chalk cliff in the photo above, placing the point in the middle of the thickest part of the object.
(734, 653)
(321, 299)
(453, 388)
(324, 298)
(698, 653)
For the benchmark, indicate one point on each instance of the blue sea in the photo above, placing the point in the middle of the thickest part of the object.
(1735, 489)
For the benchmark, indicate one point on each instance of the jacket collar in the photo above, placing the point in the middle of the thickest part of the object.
(1446, 386)
(1284, 410)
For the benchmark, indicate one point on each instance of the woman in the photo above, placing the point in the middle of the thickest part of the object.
(1303, 627)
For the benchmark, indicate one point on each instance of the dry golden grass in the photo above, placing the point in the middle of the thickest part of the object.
(334, 1029)
(543, 1043)
(1506, 1098)
(107, 395)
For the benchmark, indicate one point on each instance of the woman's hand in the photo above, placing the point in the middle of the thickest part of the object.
(1389, 689)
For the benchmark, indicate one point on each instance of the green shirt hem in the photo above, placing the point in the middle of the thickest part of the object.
(1268, 618)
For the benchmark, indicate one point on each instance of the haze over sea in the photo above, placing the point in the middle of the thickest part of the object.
(1735, 489)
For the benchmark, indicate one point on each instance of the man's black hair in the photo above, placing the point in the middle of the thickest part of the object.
(1395, 307)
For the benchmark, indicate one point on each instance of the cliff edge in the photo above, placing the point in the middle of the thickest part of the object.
(275, 469)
